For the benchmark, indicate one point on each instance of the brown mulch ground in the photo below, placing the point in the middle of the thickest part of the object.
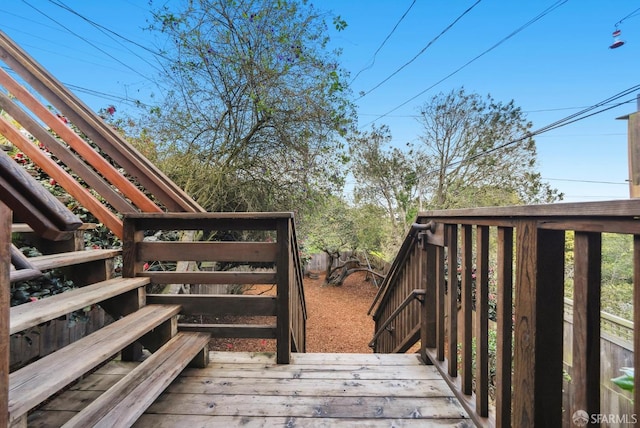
(337, 319)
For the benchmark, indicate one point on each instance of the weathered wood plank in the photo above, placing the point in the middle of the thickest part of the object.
(277, 405)
(335, 406)
(167, 421)
(322, 388)
(210, 277)
(34, 313)
(5, 302)
(200, 304)
(123, 403)
(246, 331)
(207, 251)
(53, 261)
(117, 369)
(31, 385)
(253, 389)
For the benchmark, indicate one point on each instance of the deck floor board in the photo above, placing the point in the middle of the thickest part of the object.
(315, 390)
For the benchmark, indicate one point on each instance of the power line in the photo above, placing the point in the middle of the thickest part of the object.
(585, 181)
(513, 33)
(632, 14)
(373, 60)
(416, 116)
(105, 30)
(87, 41)
(555, 125)
(432, 41)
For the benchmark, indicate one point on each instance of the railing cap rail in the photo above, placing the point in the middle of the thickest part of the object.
(629, 208)
(212, 215)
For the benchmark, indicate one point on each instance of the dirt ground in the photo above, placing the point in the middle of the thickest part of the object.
(337, 319)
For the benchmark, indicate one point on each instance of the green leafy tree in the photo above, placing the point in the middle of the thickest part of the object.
(386, 176)
(467, 152)
(257, 105)
(331, 229)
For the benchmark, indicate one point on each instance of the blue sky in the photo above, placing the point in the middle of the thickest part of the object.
(551, 69)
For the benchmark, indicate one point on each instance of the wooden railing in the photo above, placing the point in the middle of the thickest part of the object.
(264, 239)
(452, 328)
(100, 174)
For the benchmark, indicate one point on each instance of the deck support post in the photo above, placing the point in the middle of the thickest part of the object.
(537, 387)
(283, 278)
(5, 303)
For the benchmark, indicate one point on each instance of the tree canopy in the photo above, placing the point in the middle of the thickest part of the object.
(478, 152)
(257, 105)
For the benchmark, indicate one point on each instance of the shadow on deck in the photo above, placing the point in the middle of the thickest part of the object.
(251, 390)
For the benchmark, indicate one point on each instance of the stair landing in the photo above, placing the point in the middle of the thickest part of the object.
(315, 390)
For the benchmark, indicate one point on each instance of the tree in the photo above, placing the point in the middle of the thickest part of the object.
(331, 229)
(386, 176)
(478, 153)
(257, 104)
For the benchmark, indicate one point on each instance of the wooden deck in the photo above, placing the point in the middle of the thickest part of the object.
(315, 390)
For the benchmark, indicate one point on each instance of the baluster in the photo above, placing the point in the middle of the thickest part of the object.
(504, 338)
(482, 321)
(466, 267)
(452, 298)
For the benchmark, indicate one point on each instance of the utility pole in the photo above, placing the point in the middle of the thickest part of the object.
(633, 138)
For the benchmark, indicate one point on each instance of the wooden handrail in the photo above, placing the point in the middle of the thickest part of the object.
(48, 165)
(410, 297)
(33, 203)
(398, 261)
(74, 141)
(112, 143)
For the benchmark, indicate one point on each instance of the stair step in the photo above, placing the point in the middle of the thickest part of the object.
(124, 402)
(35, 313)
(36, 382)
(53, 261)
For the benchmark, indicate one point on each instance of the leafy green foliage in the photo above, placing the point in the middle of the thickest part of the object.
(617, 273)
(386, 177)
(626, 380)
(468, 151)
(257, 105)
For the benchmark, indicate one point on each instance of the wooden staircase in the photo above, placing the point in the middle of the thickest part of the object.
(155, 326)
(136, 326)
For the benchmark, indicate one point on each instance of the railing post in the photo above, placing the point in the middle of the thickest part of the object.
(586, 323)
(537, 386)
(5, 303)
(283, 312)
(636, 321)
(427, 282)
